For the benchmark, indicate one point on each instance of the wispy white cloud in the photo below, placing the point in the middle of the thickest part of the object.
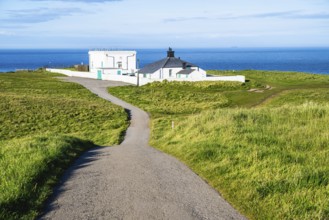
(184, 19)
(282, 14)
(6, 33)
(86, 1)
(37, 15)
(286, 15)
(324, 15)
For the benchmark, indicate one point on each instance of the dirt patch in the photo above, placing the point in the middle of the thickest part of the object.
(257, 90)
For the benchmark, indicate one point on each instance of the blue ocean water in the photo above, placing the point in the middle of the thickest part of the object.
(312, 60)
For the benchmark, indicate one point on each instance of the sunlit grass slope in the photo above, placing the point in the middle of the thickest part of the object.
(45, 124)
(178, 98)
(270, 163)
(266, 152)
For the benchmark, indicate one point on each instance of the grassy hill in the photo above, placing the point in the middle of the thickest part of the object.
(263, 144)
(45, 125)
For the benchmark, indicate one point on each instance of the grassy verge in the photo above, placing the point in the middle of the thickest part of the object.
(266, 151)
(45, 125)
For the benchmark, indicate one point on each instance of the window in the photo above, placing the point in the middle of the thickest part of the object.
(170, 73)
(144, 75)
(120, 65)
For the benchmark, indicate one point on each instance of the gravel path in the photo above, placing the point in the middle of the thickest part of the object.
(133, 180)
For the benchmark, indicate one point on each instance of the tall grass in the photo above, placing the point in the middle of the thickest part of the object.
(30, 167)
(45, 124)
(269, 161)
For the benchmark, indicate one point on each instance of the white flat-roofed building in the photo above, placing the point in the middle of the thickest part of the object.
(112, 62)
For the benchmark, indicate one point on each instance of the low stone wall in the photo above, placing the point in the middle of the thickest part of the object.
(142, 81)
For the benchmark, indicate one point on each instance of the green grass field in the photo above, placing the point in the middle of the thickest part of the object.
(45, 125)
(265, 151)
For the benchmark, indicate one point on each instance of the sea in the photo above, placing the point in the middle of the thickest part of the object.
(311, 60)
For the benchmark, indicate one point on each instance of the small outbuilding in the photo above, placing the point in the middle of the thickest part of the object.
(172, 68)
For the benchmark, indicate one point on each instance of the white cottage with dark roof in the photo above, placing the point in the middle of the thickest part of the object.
(172, 68)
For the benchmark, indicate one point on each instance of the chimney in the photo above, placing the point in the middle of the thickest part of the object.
(170, 53)
(184, 65)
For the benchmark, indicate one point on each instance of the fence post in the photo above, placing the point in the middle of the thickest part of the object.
(137, 79)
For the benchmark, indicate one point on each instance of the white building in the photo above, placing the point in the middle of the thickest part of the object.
(122, 66)
(172, 68)
(112, 62)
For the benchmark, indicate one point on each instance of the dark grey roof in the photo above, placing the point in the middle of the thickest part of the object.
(168, 62)
(186, 71)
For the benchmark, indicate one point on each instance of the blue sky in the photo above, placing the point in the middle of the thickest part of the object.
(157, 24)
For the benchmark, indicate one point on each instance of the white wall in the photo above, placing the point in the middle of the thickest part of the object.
(160, 74)
(111, 59)
(155, 75)
(74, 73)
(198, 74)
(127, 79)
(143, 81)
(217, 78)
(174, 71)
(113, 71)
(237, 78)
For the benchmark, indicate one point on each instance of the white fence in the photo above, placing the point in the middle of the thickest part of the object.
(142, 81)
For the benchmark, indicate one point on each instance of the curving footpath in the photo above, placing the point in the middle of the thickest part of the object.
(133, 180)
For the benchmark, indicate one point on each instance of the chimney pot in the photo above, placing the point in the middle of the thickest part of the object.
(170, 53)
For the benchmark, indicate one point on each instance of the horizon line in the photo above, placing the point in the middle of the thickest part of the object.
(158, 48)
